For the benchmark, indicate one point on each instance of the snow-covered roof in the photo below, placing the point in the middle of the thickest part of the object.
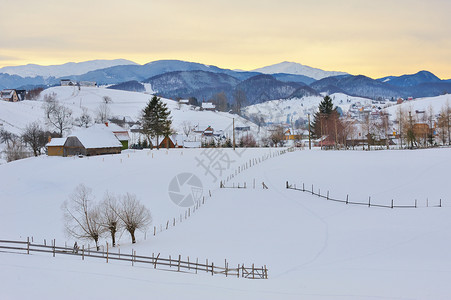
(57, 142)
(208, 105)
(192, 144)
(97, 137)
(122, 136)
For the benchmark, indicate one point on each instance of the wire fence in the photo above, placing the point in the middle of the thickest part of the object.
(155, 261)
(369, 203)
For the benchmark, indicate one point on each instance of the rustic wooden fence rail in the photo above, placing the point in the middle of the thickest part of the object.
(368, 203)
(155, 261)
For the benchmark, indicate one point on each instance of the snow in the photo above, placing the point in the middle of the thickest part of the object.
(15, 116)
(297, 69)
(290, 110)
(97, 136)
(57, 142)
(67, 69)
(313, 248)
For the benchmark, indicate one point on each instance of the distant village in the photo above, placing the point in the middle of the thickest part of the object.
(366, 125)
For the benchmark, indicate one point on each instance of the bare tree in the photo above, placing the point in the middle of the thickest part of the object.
(107, 99)
(108, 217)
(277, 135)
(35, 137)
(15, 149)
(134, 215)
(103, 113)
(85, 119)
(240, 100)
(187, 128)
(57, 115)
(220, 100)
(82, 217)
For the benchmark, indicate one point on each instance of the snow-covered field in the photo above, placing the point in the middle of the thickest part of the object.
(313, 248)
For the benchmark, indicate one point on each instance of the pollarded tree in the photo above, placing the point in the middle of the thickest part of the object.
(156, 120)
(108, 217)
(133, 214)
(82, 216)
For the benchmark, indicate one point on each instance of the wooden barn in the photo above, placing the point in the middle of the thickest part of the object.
(56, 147)
(89, 141)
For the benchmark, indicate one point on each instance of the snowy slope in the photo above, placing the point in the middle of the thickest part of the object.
(290, 110)
(297, 69)
(421, 104)
(314, 248)
(71, 68)
(15, 116)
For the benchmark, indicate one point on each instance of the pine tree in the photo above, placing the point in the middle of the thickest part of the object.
(322, 117)
(155, 120)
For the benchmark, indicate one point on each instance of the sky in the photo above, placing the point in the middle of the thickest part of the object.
(374, 38)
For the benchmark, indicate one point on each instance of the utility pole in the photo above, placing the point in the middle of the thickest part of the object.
(309, 136)
(233, 133)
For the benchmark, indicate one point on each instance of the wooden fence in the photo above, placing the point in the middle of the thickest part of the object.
(366, 203)
(155, 261)
(249, 164)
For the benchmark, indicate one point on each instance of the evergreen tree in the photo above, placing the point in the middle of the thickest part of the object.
(326, 122)
(155, 120)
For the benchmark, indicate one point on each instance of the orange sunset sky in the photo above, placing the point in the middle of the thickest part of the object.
(375, 38)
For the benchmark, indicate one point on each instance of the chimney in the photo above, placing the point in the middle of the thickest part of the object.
(50, 138)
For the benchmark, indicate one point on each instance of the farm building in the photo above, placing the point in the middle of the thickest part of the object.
(89, 141)
(120, 133)
(12, 95)
(208, 106)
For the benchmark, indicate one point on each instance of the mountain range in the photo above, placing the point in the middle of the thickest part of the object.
(175, 78)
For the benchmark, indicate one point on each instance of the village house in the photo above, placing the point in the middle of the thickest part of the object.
(208, 106)
(12, 95)
(120, 133)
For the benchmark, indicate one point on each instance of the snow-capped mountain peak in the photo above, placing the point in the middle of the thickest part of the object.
(71, 68)
(297, 69)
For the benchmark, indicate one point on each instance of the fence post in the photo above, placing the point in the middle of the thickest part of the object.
(327, 195)
(28, 245)
(225, 263)
(53, 247)
(303, 189)
(106, 252)
(347, 198)
(369, 201)
(178, 267)
(155, 263)
(287, 184)
(197, 263)
(266, 273)
(212, 268)
(132, 257)
(238, 271)
(83, 252)
(391, 203)
(253, 272)
(440, 202)
(206, 264)
(415, 203)
(312, 189)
